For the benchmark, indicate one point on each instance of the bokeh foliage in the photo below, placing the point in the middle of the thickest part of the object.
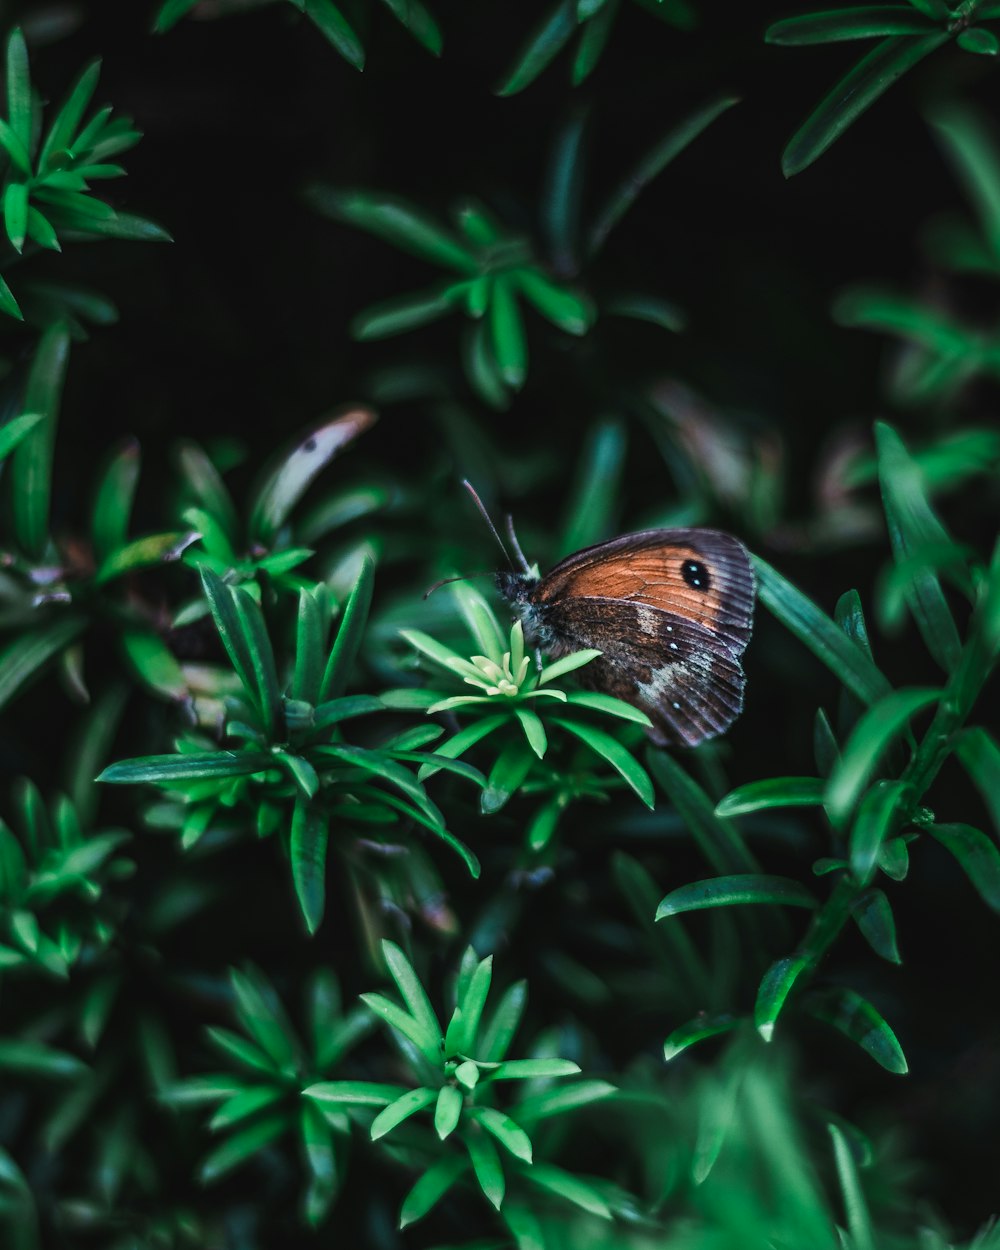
(327, 907)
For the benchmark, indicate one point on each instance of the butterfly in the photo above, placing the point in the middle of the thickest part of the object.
(670, 610)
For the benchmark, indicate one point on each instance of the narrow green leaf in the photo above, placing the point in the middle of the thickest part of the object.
(857, 1019)
(775, 986)
(498, 1033)
(448, 1110)
(431, 1188)
(405, 312)
(67, 121)
(697, 1030)
(307, 851)
(534, 730)
(245, 1103)
(408, 1104)
(510, 348)
(561, 1099)
(34, 1058)
(15, 213)
(487, 1166)
(507, 1131)
(650, 166)
(462, 741)
(195, 1090)
(170, 13)
(593, 40)
(398, 223)
(854, 93)
(241, 1147)
(261, 1014)
(531, 1069)
(31, 464)
(609, 704)
(41, 230)
(8, 304)
(353, 1093)
(873, 915)
(611, 750)
(202, 479)
(868, 22)
(563, 307)
(717, 838)
(876, 729)
(18, 87)
(412, 991)
(143, 553)
(481, 367)
(222, 603)
(894, 859)
(727, 891)
(16, 150)
(572, 1188)
(262, 663)
(329, 20)
(862, 1234)
(115, 226)
(819, 633)
(154, 663)
(972, 150)
(419, 22)
(426, 1040)
(562, 194)
(23, 657)
(978, 40)
(17, 428)
(114, 499)
(597, 482)
(545, 43)
(913, 526)
(657, 311)
(202, 765)
(872, 825)
(758, 796)
(471, 1005)
(316, 1134)
(350, 632)
(506, 776)
(977, 856)
(567, 664)
(979, 754)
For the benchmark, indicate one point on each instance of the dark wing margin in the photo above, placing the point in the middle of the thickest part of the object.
(685, 678)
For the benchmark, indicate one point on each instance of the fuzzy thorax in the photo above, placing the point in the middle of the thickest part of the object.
(516, 589)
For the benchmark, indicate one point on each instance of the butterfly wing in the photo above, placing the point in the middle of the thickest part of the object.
(671, 611)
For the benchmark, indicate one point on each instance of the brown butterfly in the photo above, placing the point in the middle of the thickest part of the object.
(671, 612)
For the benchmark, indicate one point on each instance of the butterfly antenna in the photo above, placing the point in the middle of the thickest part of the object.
(486, 517)
(512, 535)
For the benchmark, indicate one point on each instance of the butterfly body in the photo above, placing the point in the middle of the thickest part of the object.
(671, 612)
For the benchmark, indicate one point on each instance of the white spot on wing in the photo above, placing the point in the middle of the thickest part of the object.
(646, 620)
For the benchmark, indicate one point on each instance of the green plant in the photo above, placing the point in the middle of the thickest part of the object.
(234, 634)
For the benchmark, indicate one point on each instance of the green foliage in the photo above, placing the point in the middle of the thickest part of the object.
(47, 195)
(317, 777)
(259, 1099)
(907, 33)
(290, 768)
(333, 23)
(499, 272)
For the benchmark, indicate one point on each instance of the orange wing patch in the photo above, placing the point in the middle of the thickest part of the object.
(650, 576)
